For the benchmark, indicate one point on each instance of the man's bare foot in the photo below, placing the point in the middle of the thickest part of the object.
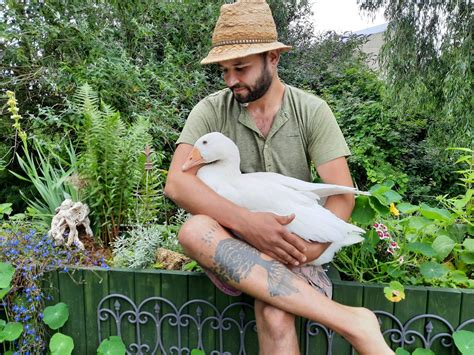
(366, 336)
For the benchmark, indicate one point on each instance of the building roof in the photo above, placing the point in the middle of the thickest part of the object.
(372, 30)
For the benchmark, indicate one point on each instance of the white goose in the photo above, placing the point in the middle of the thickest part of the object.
(219, 159)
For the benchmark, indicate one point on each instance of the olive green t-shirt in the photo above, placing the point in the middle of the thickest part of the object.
(304, 130)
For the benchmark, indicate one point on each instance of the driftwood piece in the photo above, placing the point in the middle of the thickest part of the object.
(69, 216)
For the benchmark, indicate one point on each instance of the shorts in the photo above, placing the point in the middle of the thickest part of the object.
(314, 275)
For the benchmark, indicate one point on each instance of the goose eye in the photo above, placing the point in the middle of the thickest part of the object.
(204, 142)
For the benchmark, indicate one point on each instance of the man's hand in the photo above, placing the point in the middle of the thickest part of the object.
(267, 232)
(314, 250)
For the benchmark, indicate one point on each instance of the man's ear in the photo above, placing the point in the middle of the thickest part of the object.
(273, 57)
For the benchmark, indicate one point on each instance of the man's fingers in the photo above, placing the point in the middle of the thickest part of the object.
(284, 220)
(285, 257)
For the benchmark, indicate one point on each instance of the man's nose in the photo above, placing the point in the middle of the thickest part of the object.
(231, 79)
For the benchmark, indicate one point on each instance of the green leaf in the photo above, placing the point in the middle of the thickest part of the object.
(111, 346)
(418, 223)
(467, 258)
(392, 196)
(443, 246)
(458, 276)
(5, 208)
(11, 331)
(363, 213)
(407, 208)
(197, 352)
(3, 323)
(6, 274)
(421, 351)
(394, 292)
(378, 207)
(401, 351)
(55, 316)
(61, 344)
(4, 292)
(438, 214)
(422, 248)
(468, 244)
(464, 341)
(431, 270)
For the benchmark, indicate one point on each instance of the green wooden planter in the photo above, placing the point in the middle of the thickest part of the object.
(171, 312)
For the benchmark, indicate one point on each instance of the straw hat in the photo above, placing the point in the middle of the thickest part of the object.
(245, 27)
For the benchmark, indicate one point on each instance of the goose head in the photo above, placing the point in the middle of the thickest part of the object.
(213, 148)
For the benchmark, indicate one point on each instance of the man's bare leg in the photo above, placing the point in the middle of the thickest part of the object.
(256, 274)
(276, 330)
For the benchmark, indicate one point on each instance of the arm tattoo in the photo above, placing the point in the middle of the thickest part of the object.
(235, 259)
(209, 235)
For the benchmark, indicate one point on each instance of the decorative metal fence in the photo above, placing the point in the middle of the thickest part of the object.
(191, 317)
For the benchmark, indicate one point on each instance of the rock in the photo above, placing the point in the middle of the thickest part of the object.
(171, 260)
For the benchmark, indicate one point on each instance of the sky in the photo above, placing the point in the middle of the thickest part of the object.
(341, 16)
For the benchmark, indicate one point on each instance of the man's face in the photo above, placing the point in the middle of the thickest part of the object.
(249, 78)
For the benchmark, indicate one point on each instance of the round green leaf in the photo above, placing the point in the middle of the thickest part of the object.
(3, 323)
(4, 291)
(435, 213)
(11, 331)
(418, 223)
(401, 351)
(61, 344)
(443, 246)
(407, 208)
(111, 346)
(379, 207)
(421, 351)
(6, 274)
(392, 196)
(468, 244)
(197, 352)
(363, 213)
(431, 270)
(55, 316)
(464, 341)
(467, 258)
(421, 248)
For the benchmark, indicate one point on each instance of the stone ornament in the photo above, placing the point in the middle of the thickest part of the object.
(69, 216)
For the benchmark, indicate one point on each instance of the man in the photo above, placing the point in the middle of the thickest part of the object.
(277, 128)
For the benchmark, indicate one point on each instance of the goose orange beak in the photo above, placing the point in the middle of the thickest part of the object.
(194, 158)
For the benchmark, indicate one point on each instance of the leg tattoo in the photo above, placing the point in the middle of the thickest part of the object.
(235, 259)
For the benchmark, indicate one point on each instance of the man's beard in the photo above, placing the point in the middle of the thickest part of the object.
(261, 87)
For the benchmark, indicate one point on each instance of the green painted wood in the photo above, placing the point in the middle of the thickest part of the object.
(374, 299)
(415, 302)
(445, 303)
(349, 294)
(200, 287)
(174, 287)
(96, 287)
(148, 284)
(71, 290)
(123, 281)
(467, 309)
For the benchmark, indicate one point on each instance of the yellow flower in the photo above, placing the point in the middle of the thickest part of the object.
(393, 210)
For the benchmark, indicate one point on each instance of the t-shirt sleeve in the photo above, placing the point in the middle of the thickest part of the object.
(326, 141)
(201, 120)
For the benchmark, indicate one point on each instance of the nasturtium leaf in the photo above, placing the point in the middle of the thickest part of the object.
(435, 213)
(378, 206)
(394, 292)
(392, 196)
(378, 189)
(2, 323)
(11, 331)
(457, 231)
(422, 248)
(55, 316)
(197, 352)
(407, 208)
(418, 223)
(4, 291)
(5, 208)
(464, 341)
(431, 270)
(363, 212)
(443, 246)
(468, 244)
(401, 351)
(467, 258)
(61, 344)
(421, 351)
(458, 276)
(6, 274)
(111, 346)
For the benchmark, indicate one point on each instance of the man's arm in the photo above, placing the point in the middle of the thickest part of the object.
(334, 172)
(265, 231)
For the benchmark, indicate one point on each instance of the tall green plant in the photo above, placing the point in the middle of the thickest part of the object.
(111, 162)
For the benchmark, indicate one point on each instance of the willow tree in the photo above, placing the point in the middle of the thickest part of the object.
(427, 64)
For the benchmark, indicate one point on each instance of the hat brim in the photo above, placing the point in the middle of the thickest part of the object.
(234, 51)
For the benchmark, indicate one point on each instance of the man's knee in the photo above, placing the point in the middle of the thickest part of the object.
(275, 321)
(192, 228)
